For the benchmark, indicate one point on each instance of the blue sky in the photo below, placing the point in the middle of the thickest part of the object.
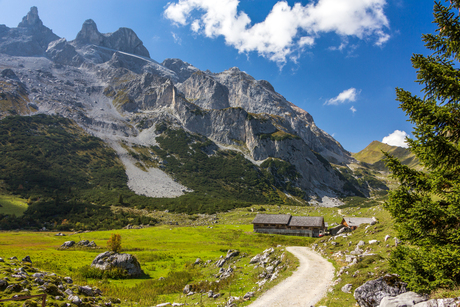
(340, 60)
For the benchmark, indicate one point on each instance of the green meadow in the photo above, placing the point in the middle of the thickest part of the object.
(166, 254)
(10, 204)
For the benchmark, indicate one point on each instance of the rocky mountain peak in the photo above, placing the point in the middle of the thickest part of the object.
(30, 38)
(31, 19)
(89, 33)
(124, 39)
(183, 69)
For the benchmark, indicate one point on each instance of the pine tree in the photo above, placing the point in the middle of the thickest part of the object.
(426, 206)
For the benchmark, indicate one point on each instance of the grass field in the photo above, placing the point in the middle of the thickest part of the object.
(10, 204)
(163, 251)
(166, 254)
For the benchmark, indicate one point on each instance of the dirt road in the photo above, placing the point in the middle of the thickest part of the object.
(305, 287)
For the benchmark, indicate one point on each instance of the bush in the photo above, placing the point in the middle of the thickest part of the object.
(114, 243)
(113, 273)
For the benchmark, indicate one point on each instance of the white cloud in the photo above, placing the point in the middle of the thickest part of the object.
(176, 38)
(343, 97)
(353, 109)
(397, 138)
(285, 29)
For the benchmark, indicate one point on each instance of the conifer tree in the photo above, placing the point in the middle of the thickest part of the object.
(426, 206)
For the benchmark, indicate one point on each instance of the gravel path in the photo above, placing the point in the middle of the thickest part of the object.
(305, 287)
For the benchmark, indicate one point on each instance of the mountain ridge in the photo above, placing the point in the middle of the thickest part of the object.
(108, 84)
(374, 156)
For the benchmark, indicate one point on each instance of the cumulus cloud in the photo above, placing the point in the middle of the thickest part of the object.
(353, 109)
(397, 138)
(343, 97)
(285, 29)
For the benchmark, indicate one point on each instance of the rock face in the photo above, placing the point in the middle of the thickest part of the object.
(372, 292)
(63, 53)
(123, 39)
(110, 260)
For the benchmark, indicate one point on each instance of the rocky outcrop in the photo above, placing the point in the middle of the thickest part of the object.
(124, 39)
(110, 260)
(234, 88)
(30, 38)
(204, 91)
(61, 52)
(183, 69)
(372, 292)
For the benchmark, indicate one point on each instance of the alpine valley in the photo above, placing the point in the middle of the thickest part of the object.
(96, 120)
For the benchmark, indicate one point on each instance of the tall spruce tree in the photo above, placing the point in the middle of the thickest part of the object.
(426, 206)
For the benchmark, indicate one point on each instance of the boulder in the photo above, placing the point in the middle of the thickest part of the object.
(372, 292)
(406, 299)
(86, 290)
(186, 289)
(349, 258)
(74, 299)
(443, 302)
(347, 288)
(220, 262)
(126, 262)
(26, 259)
(68, 280)
(232, 253)
(3, 284)
(67, 244)
(197, 261)
(9, 74)
(255, 259)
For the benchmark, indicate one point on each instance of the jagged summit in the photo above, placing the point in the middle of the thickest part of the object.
(30, 38)
(89, 33)
(124, 39)
(31, 19)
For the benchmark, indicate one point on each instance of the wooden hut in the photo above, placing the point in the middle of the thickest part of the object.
(307, 226)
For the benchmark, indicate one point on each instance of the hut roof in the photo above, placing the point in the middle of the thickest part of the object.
(356, 221)
(282, 219)
(306, 221)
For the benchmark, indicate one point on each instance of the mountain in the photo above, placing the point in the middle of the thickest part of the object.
(373, 155)
(159, 117)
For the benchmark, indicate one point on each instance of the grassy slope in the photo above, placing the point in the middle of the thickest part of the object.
(11, 204)
(372, 154)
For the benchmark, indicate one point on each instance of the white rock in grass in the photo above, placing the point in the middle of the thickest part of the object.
(347, 288)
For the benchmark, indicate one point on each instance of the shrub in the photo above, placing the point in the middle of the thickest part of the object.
(114, 243)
